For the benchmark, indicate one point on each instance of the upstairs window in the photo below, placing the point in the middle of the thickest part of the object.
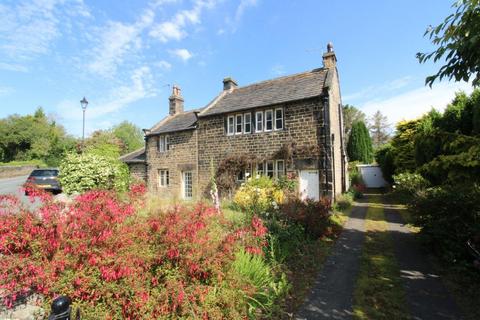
(238, 124)
(279, 119)
(259, 121)
(269, 120)
(247, 123)
(231, 125)
(162, 144)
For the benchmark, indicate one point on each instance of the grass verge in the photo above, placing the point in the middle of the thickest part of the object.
(379, 293)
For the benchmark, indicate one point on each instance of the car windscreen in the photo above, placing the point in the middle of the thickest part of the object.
(44, 173)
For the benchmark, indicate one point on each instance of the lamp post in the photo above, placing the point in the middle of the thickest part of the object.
(84, 104)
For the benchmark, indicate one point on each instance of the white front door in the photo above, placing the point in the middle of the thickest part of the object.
(309, 185)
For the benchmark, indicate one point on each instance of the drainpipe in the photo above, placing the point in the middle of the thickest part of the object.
(333, 166)
(325, 141)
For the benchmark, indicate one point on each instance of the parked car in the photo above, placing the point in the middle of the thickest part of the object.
(46, 179)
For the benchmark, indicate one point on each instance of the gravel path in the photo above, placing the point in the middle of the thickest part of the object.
(427, 297)
(332, 294)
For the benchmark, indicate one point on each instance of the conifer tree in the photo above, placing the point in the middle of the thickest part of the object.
(359, 146)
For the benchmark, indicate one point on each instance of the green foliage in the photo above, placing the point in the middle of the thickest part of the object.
(350, 116)
(83, 172)
(259, 195)
(449, 216)
(385, 156)
(24, 138)
(457, 43)
(344, 201)
(359, 146)
(131, 136)
(407, 184)
(354, 173)
(258, 273)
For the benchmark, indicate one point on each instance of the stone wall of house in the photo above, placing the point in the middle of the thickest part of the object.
(301, 135)
(138, 171)
(181, 156)
(336, 128)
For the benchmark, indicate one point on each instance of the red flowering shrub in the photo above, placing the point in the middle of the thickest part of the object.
(116, 264)
(312, 215)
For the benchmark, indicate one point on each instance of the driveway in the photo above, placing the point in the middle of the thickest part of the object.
(12, 185)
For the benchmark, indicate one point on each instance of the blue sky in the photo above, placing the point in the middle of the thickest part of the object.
(123, 55)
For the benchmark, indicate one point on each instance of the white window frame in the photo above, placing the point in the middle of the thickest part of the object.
(270, 171)
(187, 193)
(259, 122)
(237, 116)
(279, 173)
(163, 178)
(230, 126)
(272, 120)
(162, 143)
(282, 118)
(245, 123)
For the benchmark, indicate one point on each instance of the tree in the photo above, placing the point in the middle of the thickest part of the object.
(359, 146)
(379, 128)
(351, 115)
(104, 143)
(457, 40)
(130, 135)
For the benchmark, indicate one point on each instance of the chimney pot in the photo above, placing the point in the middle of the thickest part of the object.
(175, 101)
(229, 84)
(329, 58)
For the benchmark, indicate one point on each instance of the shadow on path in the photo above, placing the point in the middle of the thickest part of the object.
(332, 294)
(426, 295)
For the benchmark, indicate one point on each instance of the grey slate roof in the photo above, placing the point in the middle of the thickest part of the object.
(179, 122)
(290, 88)
(137, 156)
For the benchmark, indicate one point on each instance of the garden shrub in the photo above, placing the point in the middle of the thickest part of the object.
(407, 184)
(259, 195)
(344, 201)
(448, 216)
(83, 172)
(312, 215)
(117, 264)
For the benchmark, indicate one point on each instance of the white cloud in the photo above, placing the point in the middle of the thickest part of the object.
(4, 91)
(379, 90)
(278, 70)
(140, 87)
(30, 27)
(183, 54)
(174, 29)
(239, 13)
(162, 64)
(414, 103)
(13, 67)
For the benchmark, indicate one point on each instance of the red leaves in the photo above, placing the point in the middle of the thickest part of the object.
(98, 251)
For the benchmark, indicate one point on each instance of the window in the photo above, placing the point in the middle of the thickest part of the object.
(269, 169)
(279, 119)
(163, 178)
(241, 175)
(163, 144)
(187, 185)
(260, 169)
(231, 125)
(269, 120)
(280, 172)
(259, 121)
(239, 124)
(248, 123)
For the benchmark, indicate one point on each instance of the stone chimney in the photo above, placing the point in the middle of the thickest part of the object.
(176, 101)
(229, 84)
(329, 58)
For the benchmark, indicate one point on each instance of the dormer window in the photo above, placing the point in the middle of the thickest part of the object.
(162, 145)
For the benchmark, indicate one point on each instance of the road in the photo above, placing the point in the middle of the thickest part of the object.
(12, 185)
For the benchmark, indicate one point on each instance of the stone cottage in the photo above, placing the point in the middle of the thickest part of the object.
(288, 125)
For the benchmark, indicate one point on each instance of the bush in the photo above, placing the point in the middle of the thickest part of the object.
(407, 184)
(312, 215)
(354, 173)
(449, 216)
(259, 195)
(344, 201)
(116, 264)
(83, 172)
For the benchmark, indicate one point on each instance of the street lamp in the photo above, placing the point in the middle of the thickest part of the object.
(84, 104)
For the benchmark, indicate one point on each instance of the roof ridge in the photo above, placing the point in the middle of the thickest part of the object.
(140, 150)
(213, 102)
(280, 78)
